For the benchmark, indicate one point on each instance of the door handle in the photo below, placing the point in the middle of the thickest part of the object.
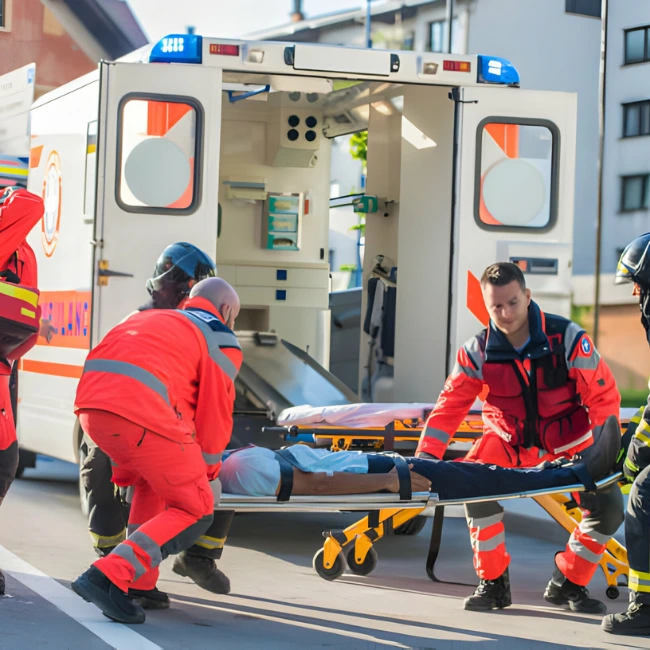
(104, 273)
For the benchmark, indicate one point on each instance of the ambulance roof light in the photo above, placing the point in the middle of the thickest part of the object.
(178, 48)
(494, 70)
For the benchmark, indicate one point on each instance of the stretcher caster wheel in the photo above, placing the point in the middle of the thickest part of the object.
(367, 566)
(328, 573)
(612, 593)
(412, 526)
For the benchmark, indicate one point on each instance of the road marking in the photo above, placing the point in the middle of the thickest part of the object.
(116, 635)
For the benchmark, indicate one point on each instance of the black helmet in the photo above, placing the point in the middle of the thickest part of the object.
(179, 268)
(634, 265)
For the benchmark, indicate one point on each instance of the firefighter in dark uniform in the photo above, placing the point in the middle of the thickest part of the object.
(634, 266)
(179, 268)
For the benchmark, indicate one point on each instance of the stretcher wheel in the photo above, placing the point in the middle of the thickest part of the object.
(412, 526)
(612, 593)
(331, 573)
(367, 566)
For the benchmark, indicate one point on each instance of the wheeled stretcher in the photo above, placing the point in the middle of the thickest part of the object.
(343, 428)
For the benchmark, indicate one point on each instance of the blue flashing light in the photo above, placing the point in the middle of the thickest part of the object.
(494, 70)
(178, 48)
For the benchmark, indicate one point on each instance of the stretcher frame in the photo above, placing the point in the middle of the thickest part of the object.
(353, 547)
(387, 514)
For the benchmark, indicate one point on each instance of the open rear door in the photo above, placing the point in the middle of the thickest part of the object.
(158, 176)
(515, 174)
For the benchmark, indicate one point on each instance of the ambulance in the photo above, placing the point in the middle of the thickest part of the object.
(226, 144)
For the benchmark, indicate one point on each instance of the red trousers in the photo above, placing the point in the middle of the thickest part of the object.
(579, 561)
(172, 500)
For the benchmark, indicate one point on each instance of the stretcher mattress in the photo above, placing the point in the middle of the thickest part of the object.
(359, 416)
(426, 501)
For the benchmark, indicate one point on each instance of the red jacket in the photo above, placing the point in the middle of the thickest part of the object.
(169, 371)
(550, 396)
(20, 212)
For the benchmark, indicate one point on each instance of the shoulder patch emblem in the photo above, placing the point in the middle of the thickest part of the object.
(585, 344)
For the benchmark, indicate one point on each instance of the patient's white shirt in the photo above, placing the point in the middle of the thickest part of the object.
(255, 471)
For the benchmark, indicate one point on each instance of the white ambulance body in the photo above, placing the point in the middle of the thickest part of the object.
(226, 144)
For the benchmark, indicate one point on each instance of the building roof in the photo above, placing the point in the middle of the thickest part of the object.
(110, 23)
(301, 28)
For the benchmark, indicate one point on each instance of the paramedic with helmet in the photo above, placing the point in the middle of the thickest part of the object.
(157, 396)
(549, 395)
(634, 266)
(179, 267)
(20, 211)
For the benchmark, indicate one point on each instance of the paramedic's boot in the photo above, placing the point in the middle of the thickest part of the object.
(203, 571)
(561, 591)
(2, 583)
(150, 598)
(491, 594)
(634, 622)
(96, 588)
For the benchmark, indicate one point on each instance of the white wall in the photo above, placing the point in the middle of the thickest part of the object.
(628, 155)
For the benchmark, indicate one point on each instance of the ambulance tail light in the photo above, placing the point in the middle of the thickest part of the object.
(494, 70)
(178, 48)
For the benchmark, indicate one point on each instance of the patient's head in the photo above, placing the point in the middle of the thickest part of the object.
(221, 295)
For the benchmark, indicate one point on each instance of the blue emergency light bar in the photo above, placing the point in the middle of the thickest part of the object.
(178, 48)
(494, 70)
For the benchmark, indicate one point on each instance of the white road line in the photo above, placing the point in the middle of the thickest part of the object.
(116, 635)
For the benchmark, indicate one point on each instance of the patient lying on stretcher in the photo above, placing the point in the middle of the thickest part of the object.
(255, 471)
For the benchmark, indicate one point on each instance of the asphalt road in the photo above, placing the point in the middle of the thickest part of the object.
(277, 600)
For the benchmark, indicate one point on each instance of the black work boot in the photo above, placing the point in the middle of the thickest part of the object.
(96, 588)
(634, 622)
(491, 594)
(2, 583)
(150, 598)
(203, 571)
(561, 591)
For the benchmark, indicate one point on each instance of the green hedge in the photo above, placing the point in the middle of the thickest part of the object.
(633, 398)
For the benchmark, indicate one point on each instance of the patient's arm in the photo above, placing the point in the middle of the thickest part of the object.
(320, 483)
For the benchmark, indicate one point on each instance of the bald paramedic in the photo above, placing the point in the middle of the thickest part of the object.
(549, 393)
(20, 211)
(157, 396)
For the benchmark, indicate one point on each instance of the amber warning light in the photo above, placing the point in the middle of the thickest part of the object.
(457, 66)
(224, 50)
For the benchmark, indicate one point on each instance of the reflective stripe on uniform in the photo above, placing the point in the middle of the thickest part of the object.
(101, 541)
(210, 542)
(150, 547)
(586, 363)
(639, 435)
(485, 522)
(639, 581)
(127, 553)
(485, 545)
(631, 466)
(131, 528)
(582, 551)
(129, 370)
(587, 527)
(211, 459)
(437, 434)
(574, 443)
(215, 341)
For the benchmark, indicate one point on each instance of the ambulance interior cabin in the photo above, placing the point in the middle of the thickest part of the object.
(274, 201)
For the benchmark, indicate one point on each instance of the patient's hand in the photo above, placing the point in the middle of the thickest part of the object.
(418, 482)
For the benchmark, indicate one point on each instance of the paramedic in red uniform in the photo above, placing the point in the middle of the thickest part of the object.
(180, 266)
(157, 396)
(20, 211)
(549, 393)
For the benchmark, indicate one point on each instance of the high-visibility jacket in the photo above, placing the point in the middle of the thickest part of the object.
(550, 396)
(170, 371)
(20, 212)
